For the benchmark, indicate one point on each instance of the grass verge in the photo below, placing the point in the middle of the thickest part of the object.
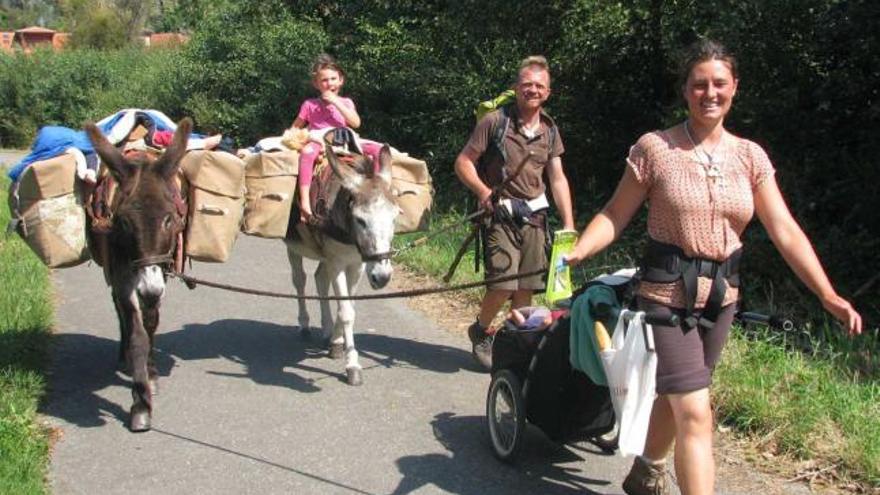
(815, 406)
(26, 313)
(805, 407)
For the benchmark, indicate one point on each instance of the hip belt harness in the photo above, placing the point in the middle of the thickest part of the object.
(665, 263)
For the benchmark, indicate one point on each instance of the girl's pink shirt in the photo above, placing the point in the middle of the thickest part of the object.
(321, 115)
(704, 216)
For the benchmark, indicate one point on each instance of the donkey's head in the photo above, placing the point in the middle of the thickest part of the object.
(148, 213)
(373, 211)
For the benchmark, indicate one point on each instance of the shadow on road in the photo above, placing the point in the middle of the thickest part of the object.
(470, 467)
(269, 354)
(82, 365)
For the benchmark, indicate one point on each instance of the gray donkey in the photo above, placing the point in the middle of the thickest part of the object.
(353, 237)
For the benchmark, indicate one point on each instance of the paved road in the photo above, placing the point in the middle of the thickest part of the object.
(9, 157)
(247, 406)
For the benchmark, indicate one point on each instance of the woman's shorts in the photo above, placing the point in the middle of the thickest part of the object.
(687, 359)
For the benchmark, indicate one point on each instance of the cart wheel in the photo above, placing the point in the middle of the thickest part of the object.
(506, 415)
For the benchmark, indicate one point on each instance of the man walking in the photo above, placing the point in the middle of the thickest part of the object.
(510, 150)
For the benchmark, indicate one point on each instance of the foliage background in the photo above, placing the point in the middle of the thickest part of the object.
(808, 94)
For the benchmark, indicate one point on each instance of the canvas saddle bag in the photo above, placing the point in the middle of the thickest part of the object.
(47, 212)
(215, 182)
(270, 181)
(413, 189)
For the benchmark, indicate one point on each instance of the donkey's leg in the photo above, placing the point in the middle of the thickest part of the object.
(151, 323)
(322, 283)
(336, 275)
(123, 362)
(353, 372)
(298, 274)
(139, 349)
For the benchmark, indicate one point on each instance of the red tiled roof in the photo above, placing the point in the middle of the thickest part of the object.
(35, 30)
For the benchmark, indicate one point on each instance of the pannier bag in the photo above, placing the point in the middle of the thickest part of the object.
(413, 189)
(270, 181)
(216, 187)
(47, 211)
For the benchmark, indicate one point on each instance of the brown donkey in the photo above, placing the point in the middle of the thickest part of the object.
(147, 218)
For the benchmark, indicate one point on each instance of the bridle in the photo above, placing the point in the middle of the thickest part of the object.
(165, 260)
(375, 257)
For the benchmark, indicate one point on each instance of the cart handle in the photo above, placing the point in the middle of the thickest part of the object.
(772, 321)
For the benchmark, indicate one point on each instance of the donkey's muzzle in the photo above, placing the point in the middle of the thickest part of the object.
(150, 285)
(379, 273)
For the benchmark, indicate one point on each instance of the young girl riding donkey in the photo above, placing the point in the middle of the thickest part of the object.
(322, 115)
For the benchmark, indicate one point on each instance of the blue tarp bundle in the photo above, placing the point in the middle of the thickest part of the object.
(52, 141)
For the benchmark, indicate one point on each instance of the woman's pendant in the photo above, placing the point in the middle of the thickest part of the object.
(713, 170)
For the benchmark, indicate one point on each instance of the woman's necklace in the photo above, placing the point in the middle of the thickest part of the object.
(710, 164)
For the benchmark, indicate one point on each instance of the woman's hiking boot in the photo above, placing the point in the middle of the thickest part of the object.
(645, 478)
(481, 342)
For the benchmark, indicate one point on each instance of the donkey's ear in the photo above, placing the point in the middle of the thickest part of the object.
(349, 177)
(111, 156)
(385, 163)
(167, 164)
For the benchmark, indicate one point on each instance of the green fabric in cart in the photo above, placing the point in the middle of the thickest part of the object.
(584, 350)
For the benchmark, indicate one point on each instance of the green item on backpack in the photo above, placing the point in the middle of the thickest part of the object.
(484, 107)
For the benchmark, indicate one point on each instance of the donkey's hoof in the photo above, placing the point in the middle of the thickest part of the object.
(140, 420)
(336, 351)
(355, 376)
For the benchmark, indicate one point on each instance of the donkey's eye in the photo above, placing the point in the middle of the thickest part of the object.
(361, 222)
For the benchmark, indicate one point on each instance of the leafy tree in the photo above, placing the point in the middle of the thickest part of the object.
(93, 24)
(16, 14)
(183, 15)
(245, 71)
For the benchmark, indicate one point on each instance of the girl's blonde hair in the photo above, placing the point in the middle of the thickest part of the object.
(325, 61)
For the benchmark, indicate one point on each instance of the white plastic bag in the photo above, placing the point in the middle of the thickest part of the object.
(631, 367)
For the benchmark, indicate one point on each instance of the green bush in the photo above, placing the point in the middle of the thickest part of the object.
(72, 86)
(246, 69)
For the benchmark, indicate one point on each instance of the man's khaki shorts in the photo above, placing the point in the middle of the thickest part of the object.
(504, 256)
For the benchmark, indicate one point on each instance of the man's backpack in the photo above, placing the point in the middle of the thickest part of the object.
(506, 97)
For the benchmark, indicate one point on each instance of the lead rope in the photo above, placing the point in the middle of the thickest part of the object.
(387, 295)
(192, 282)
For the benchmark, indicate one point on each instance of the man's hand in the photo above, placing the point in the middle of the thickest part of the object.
(485, 200)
